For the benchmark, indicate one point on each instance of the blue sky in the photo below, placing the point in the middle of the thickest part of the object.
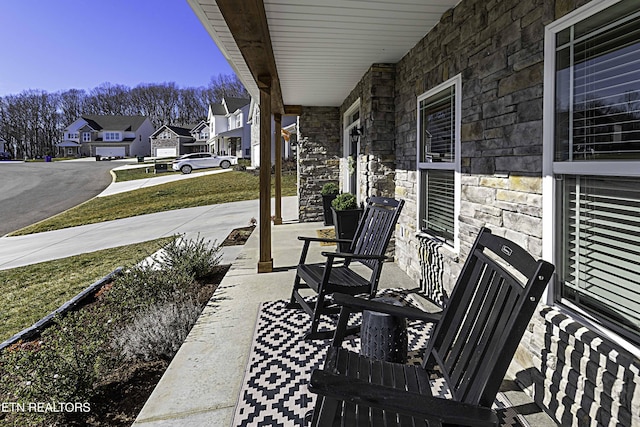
(57, 45)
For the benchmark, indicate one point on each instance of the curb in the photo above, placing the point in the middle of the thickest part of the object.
(43, 323)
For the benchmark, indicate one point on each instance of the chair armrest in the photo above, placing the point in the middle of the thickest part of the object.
(350, 255)
(323, 239)
(359, 304)
(362, 392)
(308, 240)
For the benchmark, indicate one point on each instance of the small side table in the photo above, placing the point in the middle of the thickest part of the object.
(383, 336)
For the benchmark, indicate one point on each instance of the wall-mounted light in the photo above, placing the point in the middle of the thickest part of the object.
(355, 134)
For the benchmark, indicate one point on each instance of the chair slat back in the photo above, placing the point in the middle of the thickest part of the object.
(375, 228)
(486, 316)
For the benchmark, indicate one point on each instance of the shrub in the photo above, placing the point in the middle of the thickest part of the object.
(159, 331)
(63, 366)
(198, 258)
(344, 201)
(145, 285)
(330, 188)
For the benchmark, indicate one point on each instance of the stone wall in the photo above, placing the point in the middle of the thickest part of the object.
(498, 49)
(376, 160)
(318, 157)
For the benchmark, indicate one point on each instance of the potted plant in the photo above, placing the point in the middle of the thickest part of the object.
(346, 214)
(329, 192)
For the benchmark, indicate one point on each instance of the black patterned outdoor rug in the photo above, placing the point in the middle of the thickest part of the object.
(274, 391)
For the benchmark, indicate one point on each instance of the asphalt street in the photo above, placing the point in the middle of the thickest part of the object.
(31, 192)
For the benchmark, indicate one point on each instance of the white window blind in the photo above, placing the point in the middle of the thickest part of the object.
(598, 87)
(437, 115)
(438, 214)
(601, 254)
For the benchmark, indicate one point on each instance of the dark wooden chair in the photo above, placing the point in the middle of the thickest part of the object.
(336, 274)
(475, 338)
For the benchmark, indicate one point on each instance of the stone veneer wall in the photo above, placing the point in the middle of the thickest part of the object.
(319, 153)
(376, 161)
(497, 47)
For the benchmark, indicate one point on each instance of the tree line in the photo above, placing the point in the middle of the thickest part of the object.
(32, 121)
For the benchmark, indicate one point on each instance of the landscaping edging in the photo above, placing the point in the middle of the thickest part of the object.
(43, 323)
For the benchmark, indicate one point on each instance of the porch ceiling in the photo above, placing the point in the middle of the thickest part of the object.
(321, 51)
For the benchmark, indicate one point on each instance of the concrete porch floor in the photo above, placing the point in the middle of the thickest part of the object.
(203, 382)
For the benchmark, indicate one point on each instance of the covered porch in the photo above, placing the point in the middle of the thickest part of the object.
(203, 384)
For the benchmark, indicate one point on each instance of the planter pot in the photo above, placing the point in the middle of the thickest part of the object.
(326, 207)
(345, 223)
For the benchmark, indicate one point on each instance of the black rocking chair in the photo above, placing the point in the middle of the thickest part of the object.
(475, 338)
(367, 248)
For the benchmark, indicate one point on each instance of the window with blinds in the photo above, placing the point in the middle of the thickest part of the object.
(600, 266)
(598, 87)
(438, 160)
(597, 125)
(437, 115)
(438, 214)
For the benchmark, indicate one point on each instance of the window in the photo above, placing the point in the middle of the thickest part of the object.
(595, 148)
(73, 135)
(112, 136)
(439, 160)
(86, 137)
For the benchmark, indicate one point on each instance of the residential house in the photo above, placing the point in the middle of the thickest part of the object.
(108, 136)
(288, 138)
(174, 141)
(228, 130)
(521, 116)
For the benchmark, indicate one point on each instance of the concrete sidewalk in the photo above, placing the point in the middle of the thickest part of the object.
(122, 187)
(213, 222)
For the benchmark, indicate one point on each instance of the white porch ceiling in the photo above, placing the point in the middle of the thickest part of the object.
(322, 50)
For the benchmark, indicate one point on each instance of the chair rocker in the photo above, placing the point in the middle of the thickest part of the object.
(475, 338)
(367, 248)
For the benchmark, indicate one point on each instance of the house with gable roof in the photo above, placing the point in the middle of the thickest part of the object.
(229, 133)
(108, 136)
(174, 141)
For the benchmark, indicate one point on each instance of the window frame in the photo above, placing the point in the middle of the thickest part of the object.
(455, 165)
(553, 170)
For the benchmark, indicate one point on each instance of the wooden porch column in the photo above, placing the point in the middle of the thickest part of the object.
(265, 263)
(278, 166)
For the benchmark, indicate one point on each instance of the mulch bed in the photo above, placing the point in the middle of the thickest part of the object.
(238, 236)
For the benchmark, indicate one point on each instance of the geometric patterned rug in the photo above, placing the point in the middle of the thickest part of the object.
(274, 391)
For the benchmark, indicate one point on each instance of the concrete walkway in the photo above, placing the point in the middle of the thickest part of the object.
(121, 187)
(213, 222)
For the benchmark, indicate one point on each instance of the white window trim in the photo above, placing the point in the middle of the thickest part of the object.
(455, 165)
(346, 142)
(550, 168)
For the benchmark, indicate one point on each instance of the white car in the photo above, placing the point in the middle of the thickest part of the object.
(189, 162)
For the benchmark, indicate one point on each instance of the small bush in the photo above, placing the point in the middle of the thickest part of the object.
(63, 366)
(345, 201)
(158, 332)
(145, 285)
(330, 188)
(198, 257)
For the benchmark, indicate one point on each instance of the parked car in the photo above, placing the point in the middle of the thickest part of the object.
(5, 155)
(189, 162)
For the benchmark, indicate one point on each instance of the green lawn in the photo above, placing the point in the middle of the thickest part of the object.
(29, 293)
(207, 190)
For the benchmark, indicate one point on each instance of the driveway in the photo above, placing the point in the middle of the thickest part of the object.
(31, 192)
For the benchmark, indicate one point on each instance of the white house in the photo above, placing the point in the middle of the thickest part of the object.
(288, 135)
(228, 130)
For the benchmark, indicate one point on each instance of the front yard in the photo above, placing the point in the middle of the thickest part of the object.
(206, 190)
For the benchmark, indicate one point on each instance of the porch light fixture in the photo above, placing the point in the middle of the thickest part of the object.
(355, 134)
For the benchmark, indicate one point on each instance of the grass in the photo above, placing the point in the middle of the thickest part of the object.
(29, 293)
(207, 190)
(140, 173)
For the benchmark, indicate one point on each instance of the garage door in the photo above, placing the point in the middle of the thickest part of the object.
(166, 152)
(110, 151)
